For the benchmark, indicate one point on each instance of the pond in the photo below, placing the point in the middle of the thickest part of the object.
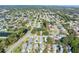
(4, 34)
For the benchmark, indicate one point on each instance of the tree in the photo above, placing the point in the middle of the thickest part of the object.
(2, 46)
(71, 40)
(49, 44)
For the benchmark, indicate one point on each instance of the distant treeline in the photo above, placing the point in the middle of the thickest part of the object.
(39, 6)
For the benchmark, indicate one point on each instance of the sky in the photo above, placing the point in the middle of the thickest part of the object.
(39, 2)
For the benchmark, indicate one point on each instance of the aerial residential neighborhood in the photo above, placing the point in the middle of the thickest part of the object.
(39, 29)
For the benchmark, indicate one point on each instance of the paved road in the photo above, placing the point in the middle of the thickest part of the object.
(18, 42)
